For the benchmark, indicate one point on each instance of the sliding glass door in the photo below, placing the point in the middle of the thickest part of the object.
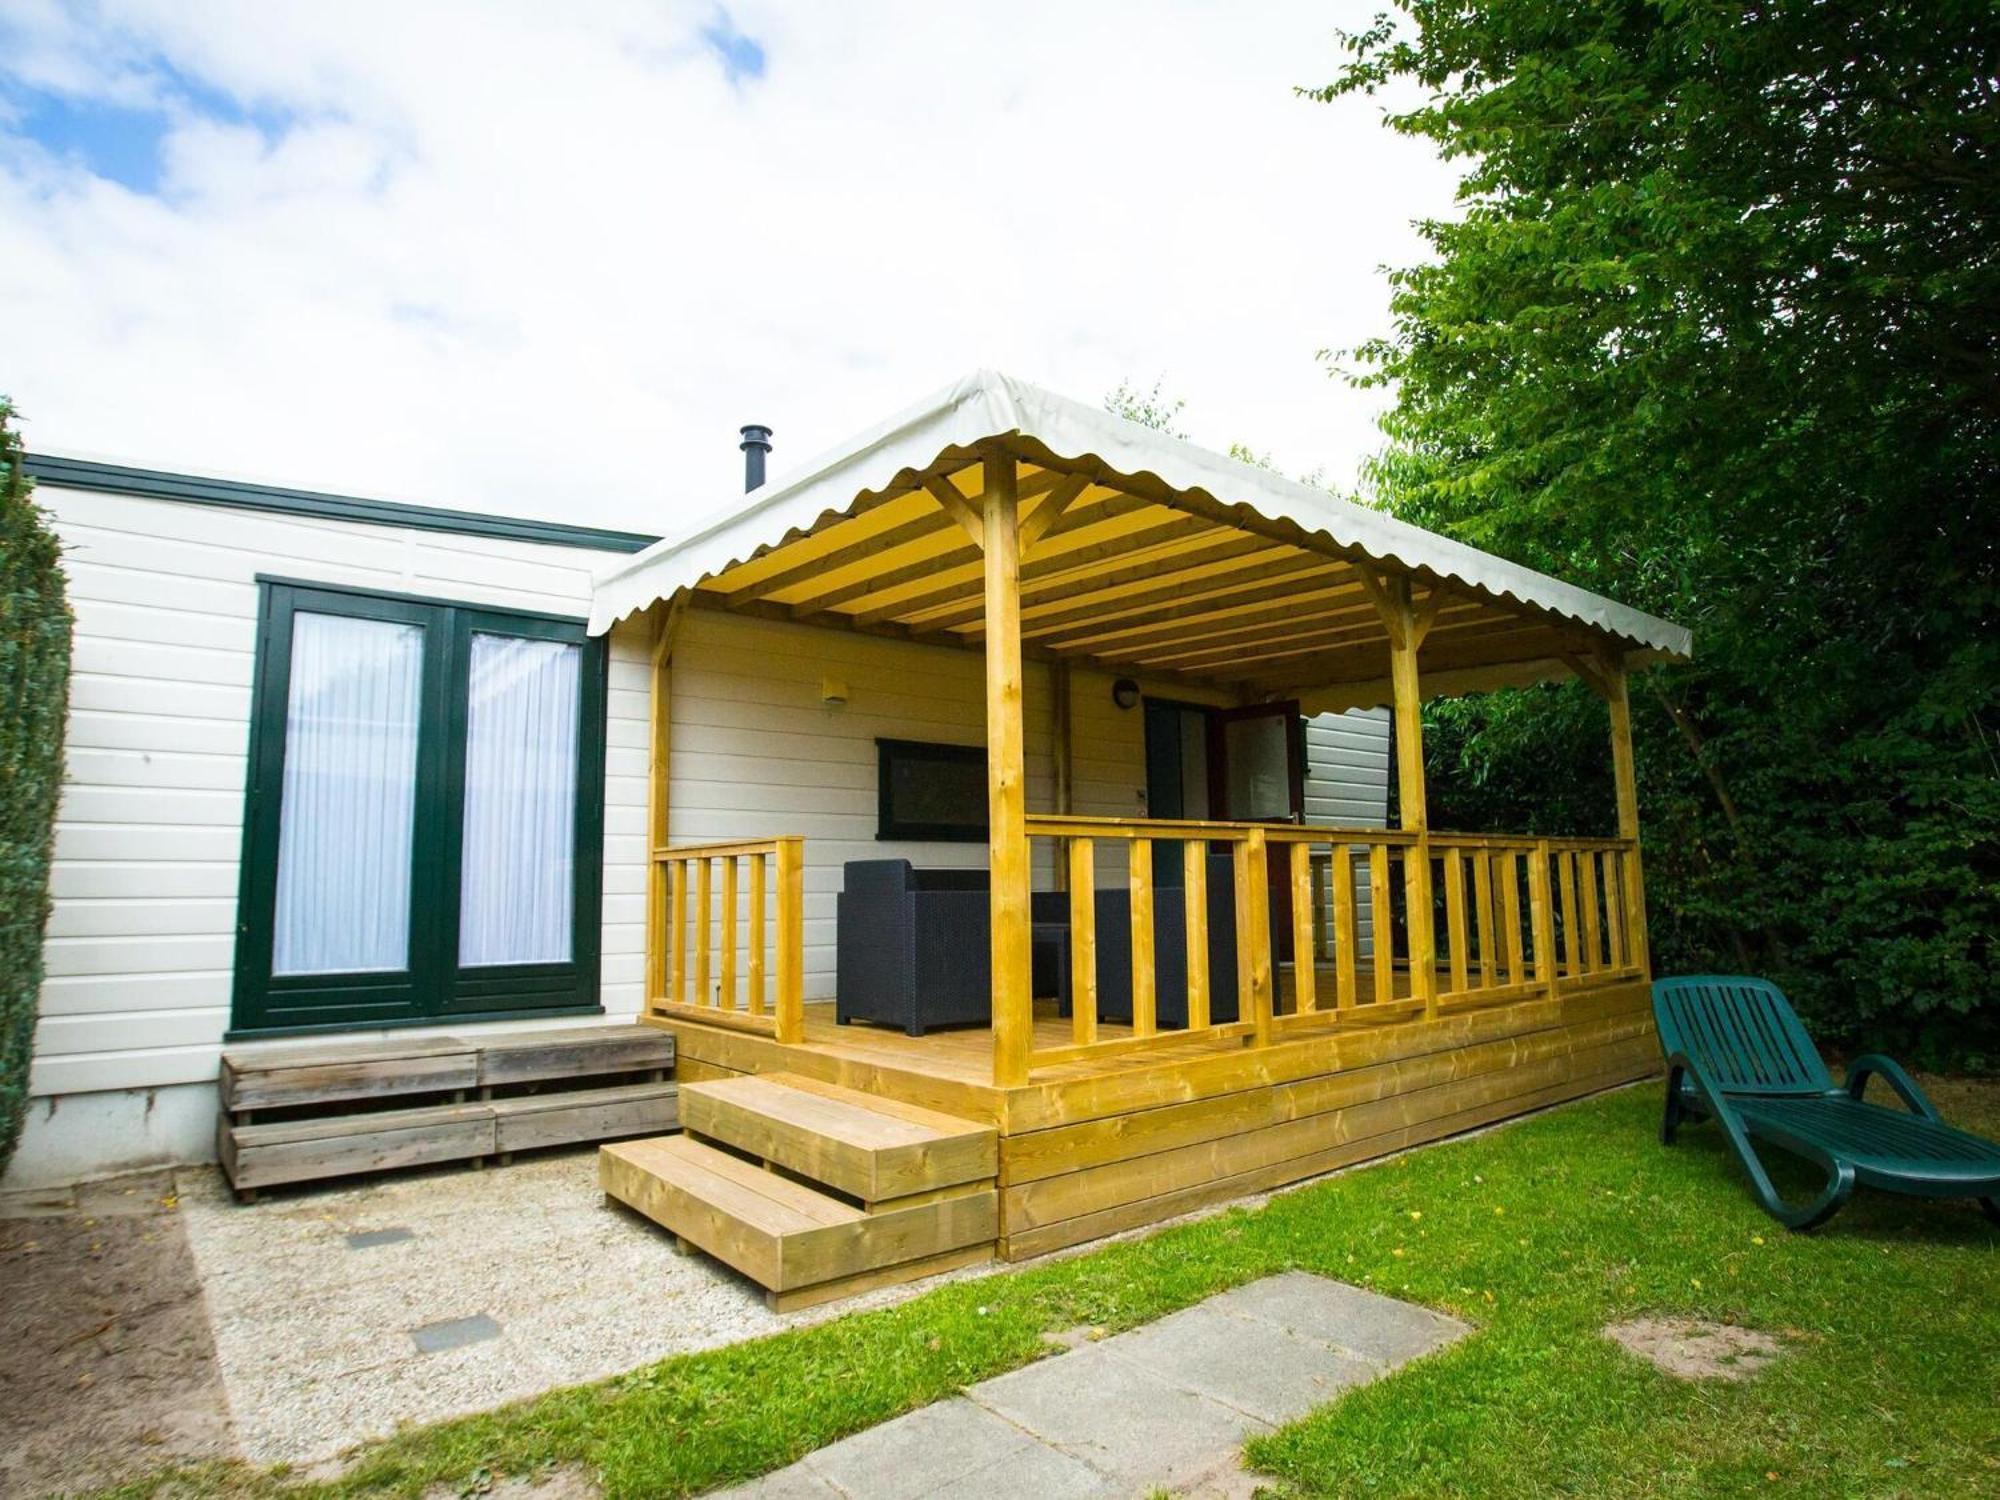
(422, 836)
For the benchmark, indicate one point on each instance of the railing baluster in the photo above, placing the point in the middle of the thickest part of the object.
(1082, 942)
(1144, 1022)
(1572, 935)
(1346, 927)
(677, 925)
(1509, 867)
(1454, 917)
(703, 995)
(1253, 881)
(1482, 912)
(725, 994)
(1592, 930)
(1541, 912)
(1194, 892)
(1614, 901)
(756, 935)
(1383, 938)
(1305, 986)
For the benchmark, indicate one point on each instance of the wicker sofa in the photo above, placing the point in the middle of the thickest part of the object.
(912, 947)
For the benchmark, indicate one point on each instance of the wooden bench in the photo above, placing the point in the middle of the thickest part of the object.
(302, 1113)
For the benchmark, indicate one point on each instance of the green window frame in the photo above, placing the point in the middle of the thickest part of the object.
(434, 988)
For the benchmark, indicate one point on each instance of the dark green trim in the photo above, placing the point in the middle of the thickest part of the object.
(434, 988)
(158, 484)
(431, 600)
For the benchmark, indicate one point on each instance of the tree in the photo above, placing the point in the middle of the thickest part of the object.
(34, 702)
(1716, 333)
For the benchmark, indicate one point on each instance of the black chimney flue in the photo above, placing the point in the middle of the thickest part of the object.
(756, 443)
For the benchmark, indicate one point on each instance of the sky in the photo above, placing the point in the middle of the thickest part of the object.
(544, 260)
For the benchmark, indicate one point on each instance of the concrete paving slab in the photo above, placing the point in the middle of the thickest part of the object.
(371, 1239)
(1363, 1323)
(948, 1448)
(1259, 1369)
(454, 1333)
(1132, 1426)
(1164, 1407)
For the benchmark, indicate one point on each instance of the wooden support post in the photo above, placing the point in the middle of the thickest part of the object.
(1406, 627)
(658, 782)
(1006, 805)
(1625, 777)
(791, 939)
(1065, 757)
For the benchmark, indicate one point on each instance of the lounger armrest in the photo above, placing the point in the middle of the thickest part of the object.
(1682, 1067)
(1863, 1068)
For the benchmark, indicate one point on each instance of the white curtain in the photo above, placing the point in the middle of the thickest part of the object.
(516, 865)
(343, 902)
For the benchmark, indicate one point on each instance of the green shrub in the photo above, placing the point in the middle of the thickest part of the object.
(34, 702)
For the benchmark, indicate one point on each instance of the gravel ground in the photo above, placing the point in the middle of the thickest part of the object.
(318, 1337)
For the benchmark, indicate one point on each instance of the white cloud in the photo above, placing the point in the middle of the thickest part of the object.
(545, 259)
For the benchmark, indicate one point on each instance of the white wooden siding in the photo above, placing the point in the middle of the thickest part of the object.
(141, 937)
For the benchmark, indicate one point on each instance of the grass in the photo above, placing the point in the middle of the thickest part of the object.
(1538, 1235)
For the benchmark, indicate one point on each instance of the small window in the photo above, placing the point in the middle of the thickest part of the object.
(931, 792)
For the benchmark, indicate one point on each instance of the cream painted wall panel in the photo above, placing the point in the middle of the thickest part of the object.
(140, 844)
(124, 994)
(142, 935)
(155, 733)
(94, 880)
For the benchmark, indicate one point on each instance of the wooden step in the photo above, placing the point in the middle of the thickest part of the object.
(256, 1156)
(574, 1052)
(800, 1244)
(267, 1078)
(859, 1144)
(306, 1150)
(601, 1114)
(297, 1076)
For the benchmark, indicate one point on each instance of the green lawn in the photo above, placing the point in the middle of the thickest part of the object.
(1538, 1234)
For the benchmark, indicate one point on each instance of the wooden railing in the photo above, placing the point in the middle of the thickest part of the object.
(721, 901)
(1513, 918)
(1320, 923)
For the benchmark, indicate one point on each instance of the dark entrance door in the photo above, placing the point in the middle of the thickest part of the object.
(1231, 764)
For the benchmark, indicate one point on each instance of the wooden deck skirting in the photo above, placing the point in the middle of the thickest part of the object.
(1101, 1145)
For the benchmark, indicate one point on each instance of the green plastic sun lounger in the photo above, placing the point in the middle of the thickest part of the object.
(1737, 1053)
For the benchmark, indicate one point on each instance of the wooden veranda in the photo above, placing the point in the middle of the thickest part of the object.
(1416, 981)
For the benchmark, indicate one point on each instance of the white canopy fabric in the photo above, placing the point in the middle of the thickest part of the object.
(987, 405)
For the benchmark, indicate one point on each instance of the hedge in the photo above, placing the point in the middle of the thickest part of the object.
(34, 694)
